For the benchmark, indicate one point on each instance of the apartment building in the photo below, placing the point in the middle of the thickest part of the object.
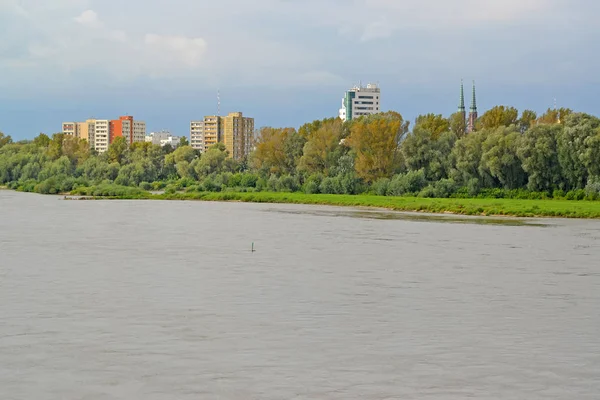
(197, 135)
(86, 130)
(133, 131)
(235, 131)
(139, 131)
(70, 128)
(81, 130)
(360, 101)
(101, 135)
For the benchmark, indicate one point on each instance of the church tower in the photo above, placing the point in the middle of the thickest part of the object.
(461, 106)
(472, 112)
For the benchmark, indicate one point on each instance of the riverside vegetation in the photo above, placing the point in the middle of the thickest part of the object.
(512, 164)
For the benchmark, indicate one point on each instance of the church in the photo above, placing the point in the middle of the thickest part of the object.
(470, 123)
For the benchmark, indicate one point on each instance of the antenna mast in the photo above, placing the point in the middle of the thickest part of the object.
(218, 102)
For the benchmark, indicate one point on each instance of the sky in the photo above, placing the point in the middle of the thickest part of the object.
(286, 62)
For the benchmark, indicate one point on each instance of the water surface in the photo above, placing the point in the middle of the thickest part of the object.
(165, 300)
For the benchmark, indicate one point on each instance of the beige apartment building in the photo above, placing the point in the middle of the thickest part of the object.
(235, 131)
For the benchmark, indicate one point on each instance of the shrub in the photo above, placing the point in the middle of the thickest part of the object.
(248, 180)
(592, 188)
(311, 187)
(146, 186)
(380, 187)
(158, 185)
(410, 183)
(330, 186)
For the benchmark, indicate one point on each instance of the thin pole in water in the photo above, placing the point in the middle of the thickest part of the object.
(253, 247)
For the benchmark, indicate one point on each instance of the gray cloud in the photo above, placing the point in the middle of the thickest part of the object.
(293, 42)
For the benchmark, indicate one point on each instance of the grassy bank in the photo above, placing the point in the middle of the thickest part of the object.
(499, 207)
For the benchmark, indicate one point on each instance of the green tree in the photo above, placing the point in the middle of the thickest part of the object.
(183, 141)
(42, 140)
(423, 150)
(117, 150)
(527, 119)
(212, 161)
(319, 154)
(182, 153)
(498, 116)
(539, 157)
(458, 124)
(436, 125)
(4, 140)
(500, 160)
(466, 155)
(572, 148)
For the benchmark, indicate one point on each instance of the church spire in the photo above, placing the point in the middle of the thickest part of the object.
(461, 105)
(473, 100)
(472, 112)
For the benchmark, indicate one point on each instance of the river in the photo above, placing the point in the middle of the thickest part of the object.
(165, 300)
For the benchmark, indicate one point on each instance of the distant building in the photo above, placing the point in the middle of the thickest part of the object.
(101, 133)
(139, 131)
(133, 131)
(235, 131)
(163, 138)
(197, 135)
(360, 101)
(70, 128)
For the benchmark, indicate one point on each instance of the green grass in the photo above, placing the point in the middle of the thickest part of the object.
(498, 207)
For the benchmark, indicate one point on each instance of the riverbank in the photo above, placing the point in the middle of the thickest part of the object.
(483, 207)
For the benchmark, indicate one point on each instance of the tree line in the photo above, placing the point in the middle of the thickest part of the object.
(510, 154)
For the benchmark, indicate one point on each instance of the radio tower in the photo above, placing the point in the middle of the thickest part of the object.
(218, 102)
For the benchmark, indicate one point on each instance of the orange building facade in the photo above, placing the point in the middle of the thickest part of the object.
(122, 127)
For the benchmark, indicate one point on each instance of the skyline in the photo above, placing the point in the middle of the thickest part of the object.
(292, 63)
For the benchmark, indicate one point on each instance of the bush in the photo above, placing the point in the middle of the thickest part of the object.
(146, 186)
(49, 186)
(592, 189)
(261, 184)
(209, 185)
(380, 187)
(158, 185)
(288, 183)
(248, 180)
(311, 187)
(558, 194)
(576, 195)
(330, 186)
(171, 189)
(410, 183)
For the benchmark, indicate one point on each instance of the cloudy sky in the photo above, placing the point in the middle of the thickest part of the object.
(286, 61)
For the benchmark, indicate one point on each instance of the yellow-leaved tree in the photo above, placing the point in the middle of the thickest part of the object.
(375, 141)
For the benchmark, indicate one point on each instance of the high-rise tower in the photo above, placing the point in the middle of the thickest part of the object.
(472, 112)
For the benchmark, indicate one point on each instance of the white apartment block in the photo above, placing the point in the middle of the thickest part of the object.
(101, 135)
(197, 135)
(360, 101)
